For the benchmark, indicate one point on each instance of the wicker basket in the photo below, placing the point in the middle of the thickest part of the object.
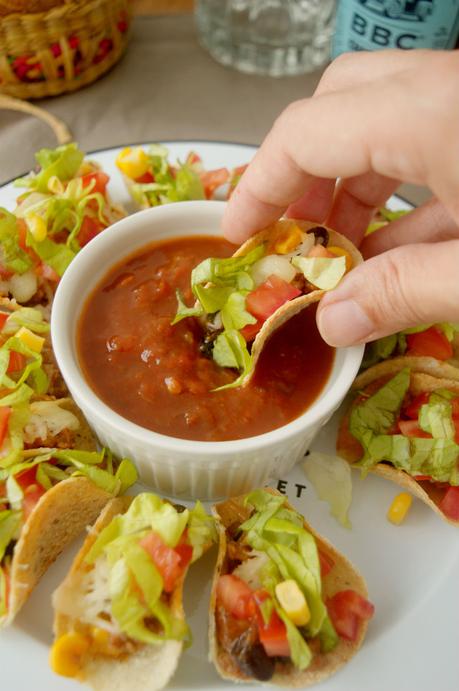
(62, 49)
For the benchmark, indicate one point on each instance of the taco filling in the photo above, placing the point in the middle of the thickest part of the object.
(236, 296)
(66, 204)
(274, 613)
(124, 591)
(417, 434)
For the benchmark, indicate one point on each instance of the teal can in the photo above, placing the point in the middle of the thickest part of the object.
(405, 24)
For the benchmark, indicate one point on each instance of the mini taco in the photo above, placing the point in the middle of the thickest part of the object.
(119, 613)
(47, 497)
(273, 276)
(151, 180)
(404, 426)
(286, 607)
(65, 205)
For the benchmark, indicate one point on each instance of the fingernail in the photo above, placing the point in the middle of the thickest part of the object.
(344, 323)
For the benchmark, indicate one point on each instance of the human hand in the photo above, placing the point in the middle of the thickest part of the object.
(376, 119)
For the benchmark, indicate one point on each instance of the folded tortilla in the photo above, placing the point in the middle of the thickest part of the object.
(427, 375)
(343, 576)
(289, 309)
(150, 667)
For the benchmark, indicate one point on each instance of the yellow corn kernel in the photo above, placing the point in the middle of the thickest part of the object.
(100, 638)
(30, 339)
(399, 508)
(37, 226)
(86, 168)
(66, 653)
(288, 240)
(133, 162)
(292, 600)
(340, 252)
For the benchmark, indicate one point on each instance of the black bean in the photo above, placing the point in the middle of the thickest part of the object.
(321, 235)
(251, 658)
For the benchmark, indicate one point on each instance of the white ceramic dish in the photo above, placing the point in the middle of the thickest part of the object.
(412, 571)
(178, 467)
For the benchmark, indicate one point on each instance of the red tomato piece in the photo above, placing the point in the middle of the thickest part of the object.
(193, 158)
(412, 410)
(235, 596)
(33, 492)
(16, 362)
(250, 331)
(326, 564)
(346, 609)
(5, 273)
(90, 227)
(212, 179)
(4, 418)
(185, 553)
(431, 342)
(145, 178)
(450, 503)
(410, 428)
(166, 559)
(3, 318)
(269, 296)
(100, 181)
(48, 273)
(422, 478)
(320, 251)
(22, 233)
(273, 635)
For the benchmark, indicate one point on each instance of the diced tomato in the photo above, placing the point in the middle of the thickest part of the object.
(212, 179)
(269, 296)
(193, 158)
(4, 418)
(145, 178)
(422, 478)
(166, 559)
(3, 318)
(5, 273)
(100, 181)
(410, 428)
(273, 636)
(431, 342)
(185, 553)
(320, 251)
(235, 596)
(22, 233)
(90, 227)
(32, 490)
(412, 410)
(250, 331)
(450, 503)
(16, 362)
(347, 609)
(326, 564)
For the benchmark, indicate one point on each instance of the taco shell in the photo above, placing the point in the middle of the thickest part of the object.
(289, 309)
(343, 576)
(150, 667)
(350, 449)
(57, 519)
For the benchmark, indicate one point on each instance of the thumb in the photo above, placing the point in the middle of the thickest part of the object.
(404, 287)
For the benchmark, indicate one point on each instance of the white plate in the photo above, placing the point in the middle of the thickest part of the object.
(412, 571)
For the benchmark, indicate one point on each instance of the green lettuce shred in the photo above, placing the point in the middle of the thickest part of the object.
(62, 162)
(13, 256)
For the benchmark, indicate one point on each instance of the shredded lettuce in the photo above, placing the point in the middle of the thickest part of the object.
(437, 420)
(183, 311)
(13, 257)
(230, 350)
(371, 421)
(10, 522)
(278, 532)
(323, 272)
(29, 317)
(62, 162)
(332, 481)
(3, 594)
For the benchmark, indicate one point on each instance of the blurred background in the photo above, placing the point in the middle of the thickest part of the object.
(122, 71)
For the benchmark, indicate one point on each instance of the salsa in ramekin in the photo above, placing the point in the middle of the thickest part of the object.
(160, 377)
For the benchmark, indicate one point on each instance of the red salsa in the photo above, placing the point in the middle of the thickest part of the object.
(155, 374)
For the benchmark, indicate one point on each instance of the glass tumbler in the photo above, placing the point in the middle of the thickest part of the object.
(270, 37)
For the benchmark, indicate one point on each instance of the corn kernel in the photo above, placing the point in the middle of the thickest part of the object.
(30, 339)
(340, 252)
(292, 600)
(66, 653)
(133, 162)
(399, 508)
(288, 240)
(37, 226)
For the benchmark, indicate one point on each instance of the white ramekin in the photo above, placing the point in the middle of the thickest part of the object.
(177, 467)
